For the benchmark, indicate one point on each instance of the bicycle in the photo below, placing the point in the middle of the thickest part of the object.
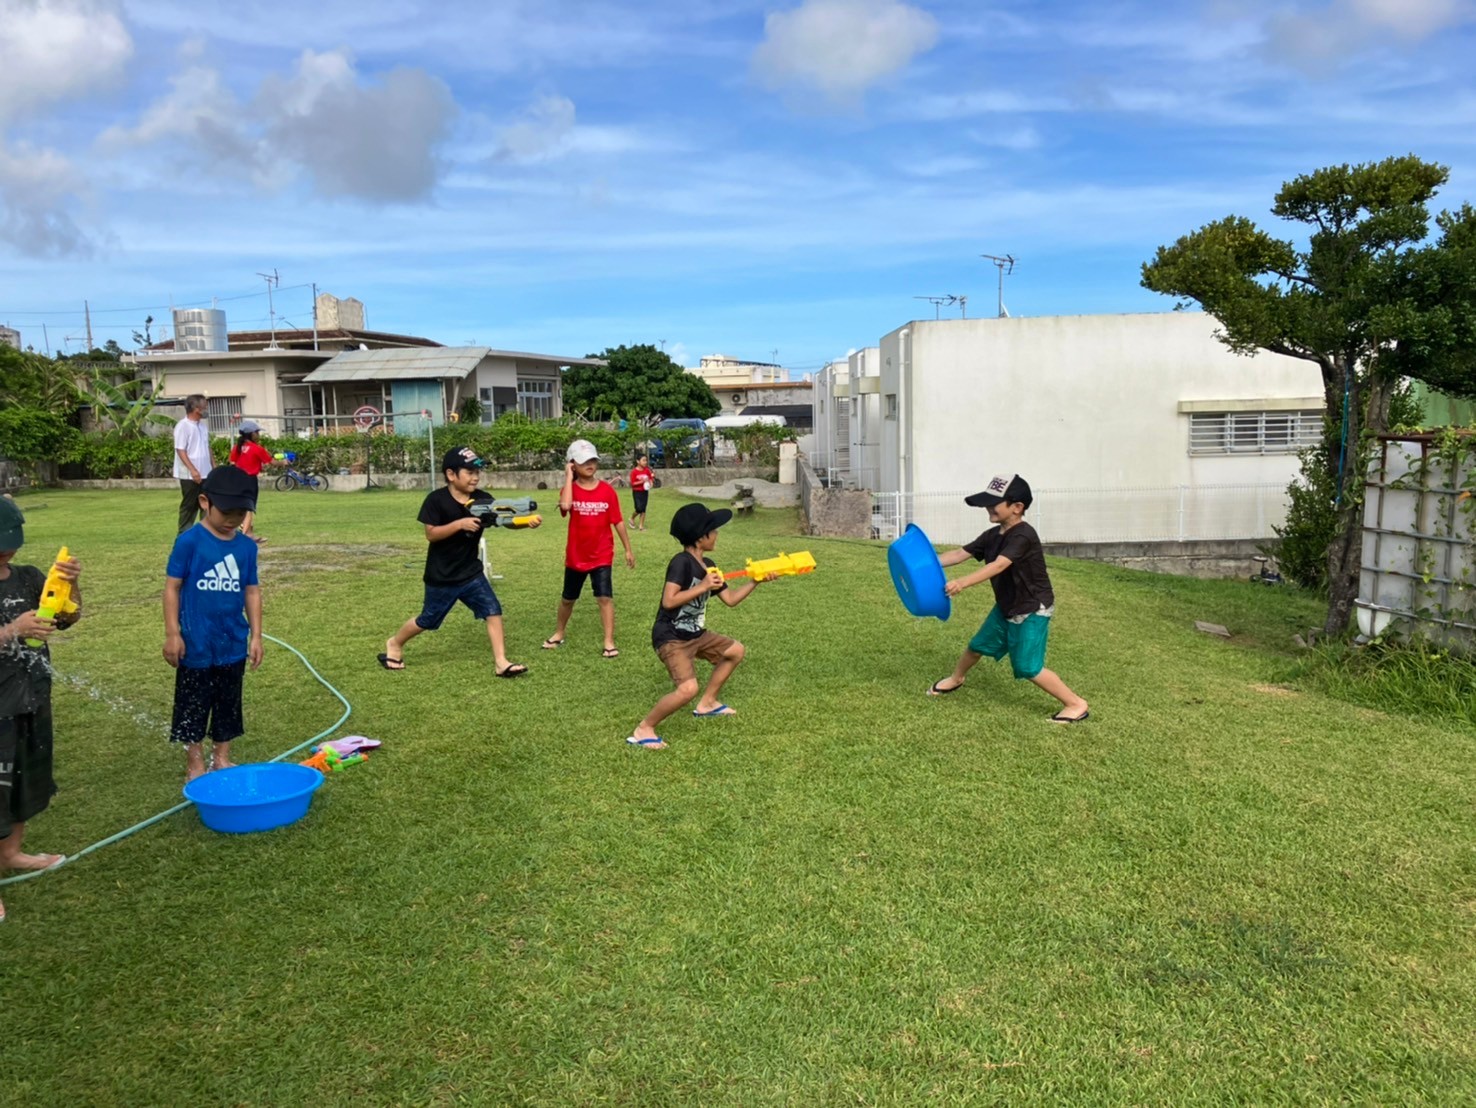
(1266, 573)
(294, 478)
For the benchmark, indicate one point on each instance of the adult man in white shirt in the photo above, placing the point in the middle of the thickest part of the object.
(191, 458)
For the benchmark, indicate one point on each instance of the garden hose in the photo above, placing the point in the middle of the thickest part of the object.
(70, 858)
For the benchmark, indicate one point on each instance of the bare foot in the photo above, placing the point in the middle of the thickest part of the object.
(192, 772)
(222, 763)
(31, 861)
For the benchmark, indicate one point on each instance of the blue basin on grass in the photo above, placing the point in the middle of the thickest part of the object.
(257, 797)
(918, 575)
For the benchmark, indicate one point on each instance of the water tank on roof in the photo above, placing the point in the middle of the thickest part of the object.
(200, 329)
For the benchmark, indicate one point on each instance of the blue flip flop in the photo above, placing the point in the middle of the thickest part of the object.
(644, 742)
(720, 710)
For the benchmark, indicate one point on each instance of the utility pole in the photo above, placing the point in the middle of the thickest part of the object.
(1000, 264)
(46, 340)
(315, 315)
(272, 281)
(87, 311)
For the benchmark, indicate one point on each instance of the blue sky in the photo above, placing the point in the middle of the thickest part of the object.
(719, 175)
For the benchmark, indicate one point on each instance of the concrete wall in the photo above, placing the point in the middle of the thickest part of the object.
(863, 383)
(252, 377)
(1072, 401)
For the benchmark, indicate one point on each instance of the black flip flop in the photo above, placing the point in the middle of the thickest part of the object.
(516, 669)
(936, 691)
(394, 665)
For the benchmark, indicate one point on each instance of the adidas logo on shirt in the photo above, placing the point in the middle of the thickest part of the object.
(224, 577)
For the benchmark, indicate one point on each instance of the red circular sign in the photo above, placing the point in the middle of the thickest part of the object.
(366, 417)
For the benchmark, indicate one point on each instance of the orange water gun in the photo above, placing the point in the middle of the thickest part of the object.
(56, 595)
(786, 565)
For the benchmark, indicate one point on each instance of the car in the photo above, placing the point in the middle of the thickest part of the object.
(695, 449)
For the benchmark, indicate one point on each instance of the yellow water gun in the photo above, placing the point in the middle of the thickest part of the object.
(56, 595)
(786, 565)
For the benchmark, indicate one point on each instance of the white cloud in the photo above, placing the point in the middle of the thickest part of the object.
(1320, 39)
(841, 47)
(52, 50)
(371, 141)
(543, 131)
(35, 190)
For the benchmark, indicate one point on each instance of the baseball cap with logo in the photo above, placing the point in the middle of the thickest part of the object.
(461, 457)
(12, 535)
(229, 488)
(581, 451)
(1008, 488)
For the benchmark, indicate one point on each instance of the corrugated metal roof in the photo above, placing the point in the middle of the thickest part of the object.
(405, 363)
(419, 363)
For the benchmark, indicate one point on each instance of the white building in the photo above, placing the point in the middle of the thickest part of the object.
(719, 369)
(1128, 427)
(10, 337)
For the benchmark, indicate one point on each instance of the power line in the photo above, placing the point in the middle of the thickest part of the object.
(153, 307)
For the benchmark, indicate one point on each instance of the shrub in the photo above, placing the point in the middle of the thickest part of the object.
(31, 435)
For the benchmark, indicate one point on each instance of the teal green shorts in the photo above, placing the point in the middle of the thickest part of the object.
(1024, 642)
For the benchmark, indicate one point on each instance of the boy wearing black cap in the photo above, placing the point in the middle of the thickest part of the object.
(680, 635)
(453, 567)
(212, 619)
(1019, 623)
(26, 784)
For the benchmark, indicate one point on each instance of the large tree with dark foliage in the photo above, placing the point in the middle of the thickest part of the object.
(635, 383)
(1366, 298)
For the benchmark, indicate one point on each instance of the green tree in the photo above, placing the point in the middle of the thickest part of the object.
(29, 380)
(635, 382)
(1363, 300)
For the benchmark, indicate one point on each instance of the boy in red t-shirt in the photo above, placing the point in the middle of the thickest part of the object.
(250, 456)
(592, 508)
(641, 481)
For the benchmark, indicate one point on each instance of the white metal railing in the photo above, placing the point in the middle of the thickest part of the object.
(1165, 514)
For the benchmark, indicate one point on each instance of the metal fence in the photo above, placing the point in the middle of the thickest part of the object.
(1166, 514)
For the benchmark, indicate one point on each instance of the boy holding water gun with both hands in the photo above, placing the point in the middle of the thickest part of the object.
(26, 783)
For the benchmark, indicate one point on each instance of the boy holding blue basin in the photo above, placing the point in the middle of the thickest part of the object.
(1019, 623)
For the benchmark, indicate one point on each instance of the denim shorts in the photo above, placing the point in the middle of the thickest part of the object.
(475, 592)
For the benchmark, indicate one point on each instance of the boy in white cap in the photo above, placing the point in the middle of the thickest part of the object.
(1019, 623)
(593, 510)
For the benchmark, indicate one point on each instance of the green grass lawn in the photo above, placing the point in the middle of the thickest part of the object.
(1225, 888)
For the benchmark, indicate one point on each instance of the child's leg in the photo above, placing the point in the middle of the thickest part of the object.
(194, 761)
(191, 712)
(394, 646)
(566, 609)
(990, 641)
(966, 661)
(673, 701)
(220, 756)
(226, 722)
(499, 651)
(573, 586)
(607, 619)
(722, 669)
(1072, 706)
(29, 785)
(11, 856)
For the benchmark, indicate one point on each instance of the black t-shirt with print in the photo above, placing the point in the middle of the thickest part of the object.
(454, 560)
(1025, 587)
(25, 671)
(687, 622)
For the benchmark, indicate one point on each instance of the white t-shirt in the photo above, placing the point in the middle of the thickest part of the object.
(193, 437)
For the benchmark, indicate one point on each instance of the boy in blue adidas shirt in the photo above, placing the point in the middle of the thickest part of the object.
(212, 620)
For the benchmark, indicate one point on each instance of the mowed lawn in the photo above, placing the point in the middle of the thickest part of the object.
(1222, 889)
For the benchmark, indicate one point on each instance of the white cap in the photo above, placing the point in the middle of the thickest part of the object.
(581, 451)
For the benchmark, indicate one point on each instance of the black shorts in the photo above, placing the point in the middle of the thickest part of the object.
(26, 784)
(599, 579)
(639, 498)
(208, 697)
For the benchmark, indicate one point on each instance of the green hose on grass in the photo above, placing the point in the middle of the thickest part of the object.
(137, 827)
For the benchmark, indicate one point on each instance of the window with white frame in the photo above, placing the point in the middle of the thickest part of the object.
(536, 398)
(1253, 432)
(222, 413)
(890, 411)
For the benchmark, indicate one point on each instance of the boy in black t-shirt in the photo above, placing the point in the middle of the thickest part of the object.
(680, 634)
(453, 568)
(1020, 621)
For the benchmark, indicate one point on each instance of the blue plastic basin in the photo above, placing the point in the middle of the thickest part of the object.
(918, 575)
(257, 797)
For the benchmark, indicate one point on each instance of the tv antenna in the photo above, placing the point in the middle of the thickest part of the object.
(948, 300)
(272, 281)
(1004, 265)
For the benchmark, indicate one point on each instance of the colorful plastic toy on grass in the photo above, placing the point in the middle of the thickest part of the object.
(918, 575)
(786, 565)
(325, 761)
(56, 595)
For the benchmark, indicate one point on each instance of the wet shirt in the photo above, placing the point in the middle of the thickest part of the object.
(641, 479)
(592, 514)
(456, 558)
(215, 573)
(25, 671)
(1025, 587)
(687, 622)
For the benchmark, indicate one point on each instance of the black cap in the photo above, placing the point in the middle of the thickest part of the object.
(230, 487)
(692, 521)
(12, 533)
(1008, 488)
(461, 457)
